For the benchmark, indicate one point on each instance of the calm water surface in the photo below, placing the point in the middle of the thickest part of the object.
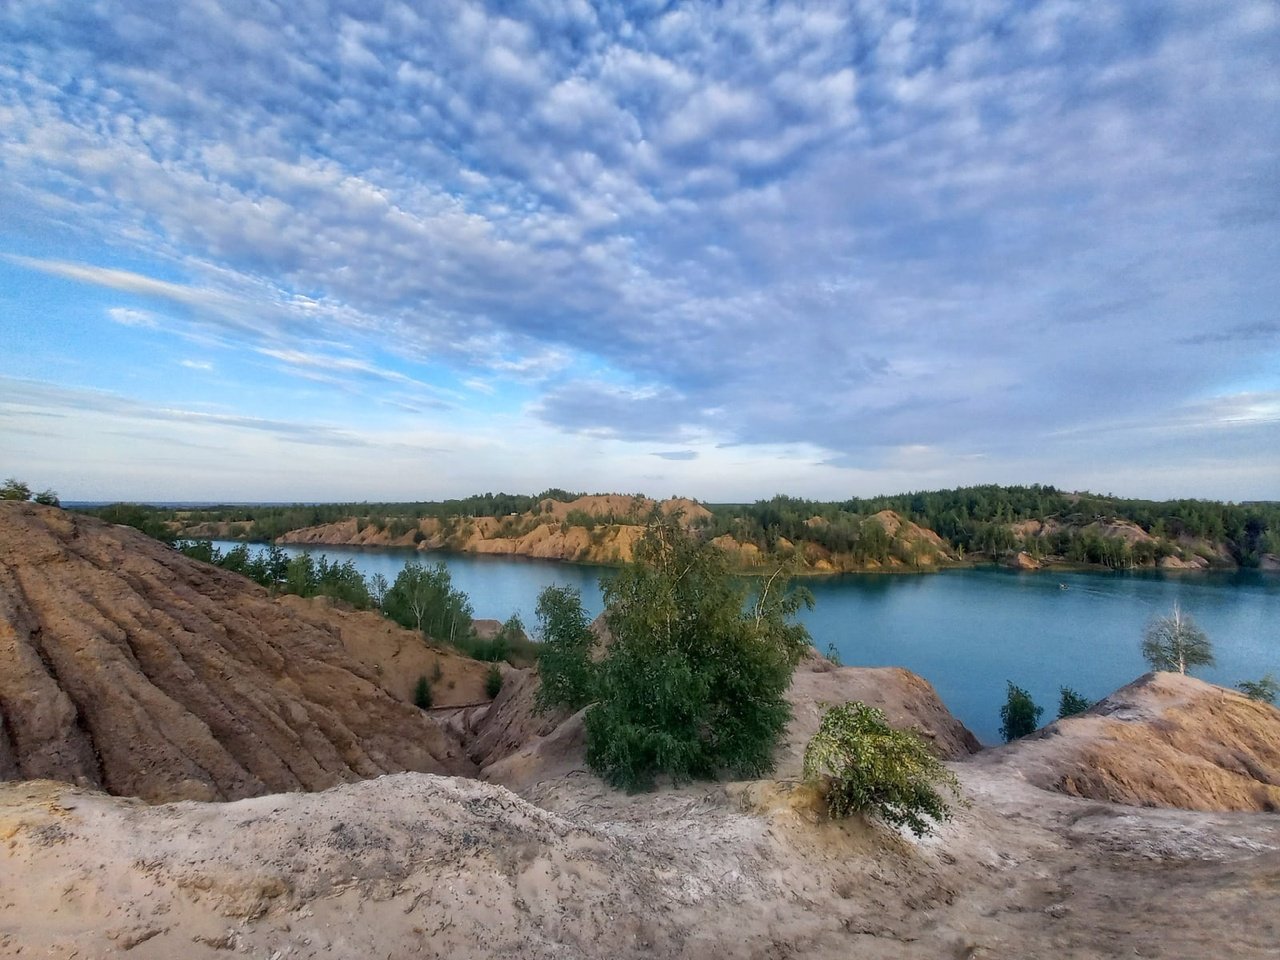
(966, 631)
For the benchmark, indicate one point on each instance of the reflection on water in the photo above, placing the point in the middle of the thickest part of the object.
(966, 631)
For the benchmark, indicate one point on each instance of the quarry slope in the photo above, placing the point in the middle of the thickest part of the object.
(124, 663)
(126, 666)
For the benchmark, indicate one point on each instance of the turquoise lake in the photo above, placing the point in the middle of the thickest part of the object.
(966, 631)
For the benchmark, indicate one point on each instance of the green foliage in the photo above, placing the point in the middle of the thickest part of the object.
(149, 521)
(833, 653)
(693, 681)
(48, 497)
(302, 575)
(424, 598)
(1176, 643)
(422, 694)
(1265, 690)
(1070, 703)
(564, 654)
(878, 771)
(493, 682)
(1019, 715)
(13, 489)
(308, 577)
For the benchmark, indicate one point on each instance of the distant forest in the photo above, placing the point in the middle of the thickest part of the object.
(972, 520)
(981, 519)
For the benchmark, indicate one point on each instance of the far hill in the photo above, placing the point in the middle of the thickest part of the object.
(1024, 527)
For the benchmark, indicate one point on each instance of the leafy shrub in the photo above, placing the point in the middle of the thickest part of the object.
(493, 682)
(1019, 715)
(873, 769)
(422, 694)
(1071, 703)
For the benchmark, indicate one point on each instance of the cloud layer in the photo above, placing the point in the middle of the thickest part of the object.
(1007, 234)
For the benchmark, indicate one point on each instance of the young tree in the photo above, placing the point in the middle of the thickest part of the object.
(423, 598)
(1070, 703)
(13, 489)
(693, 681)
(873, 769)
(1019, 715)
(1264, 690)
(564, 655)
(1176, 643)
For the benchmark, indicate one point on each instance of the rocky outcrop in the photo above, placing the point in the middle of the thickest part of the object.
(127, 666)
(1164, 740)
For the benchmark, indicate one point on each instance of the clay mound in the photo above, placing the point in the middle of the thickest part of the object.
(1165, 740)
(908, 701)
(127, 666)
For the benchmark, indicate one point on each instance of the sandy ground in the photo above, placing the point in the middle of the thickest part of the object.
(422, 865)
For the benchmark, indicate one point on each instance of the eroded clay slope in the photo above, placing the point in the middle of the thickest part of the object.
(127, 666)
(1164, 740)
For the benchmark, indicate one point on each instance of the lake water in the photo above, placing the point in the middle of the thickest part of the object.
(966, 631)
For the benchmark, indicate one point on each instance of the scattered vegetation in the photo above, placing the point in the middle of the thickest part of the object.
(870, 768)
(13, 489)
(1265, 690)
(1071, 703)
(1019, 715)
(1176, 643)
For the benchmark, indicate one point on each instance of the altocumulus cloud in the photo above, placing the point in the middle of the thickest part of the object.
(863, 227)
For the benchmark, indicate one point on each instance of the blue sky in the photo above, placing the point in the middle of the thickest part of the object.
(309, 250)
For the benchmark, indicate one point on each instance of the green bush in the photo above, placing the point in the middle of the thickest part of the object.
(693, 682)
(422, 694)
(1071, 703)
(493, 682)
(1264, 690)
(872, 769)
(1019, 715)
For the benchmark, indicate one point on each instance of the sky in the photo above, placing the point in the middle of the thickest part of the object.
(315, 250)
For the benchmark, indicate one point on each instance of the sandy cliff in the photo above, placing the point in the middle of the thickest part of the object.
(1164, 740)
(127, 666)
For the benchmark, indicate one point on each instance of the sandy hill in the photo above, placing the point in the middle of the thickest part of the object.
(544, 533)
(126, 666)
(1164, 740)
